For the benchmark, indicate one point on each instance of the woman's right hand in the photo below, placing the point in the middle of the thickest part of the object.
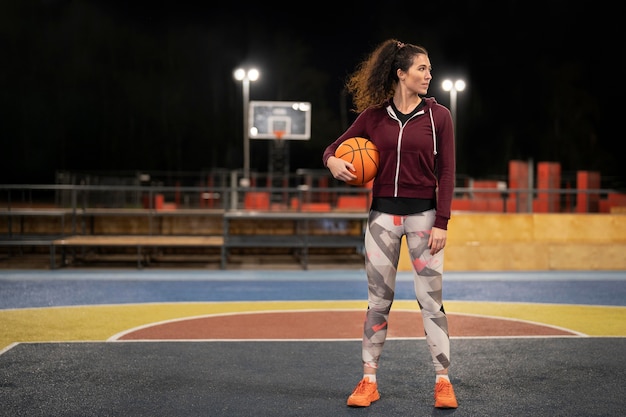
(340, 169)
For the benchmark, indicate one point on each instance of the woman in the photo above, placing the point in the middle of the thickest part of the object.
(412, 195)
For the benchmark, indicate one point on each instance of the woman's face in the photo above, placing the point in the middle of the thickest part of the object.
(417, 78)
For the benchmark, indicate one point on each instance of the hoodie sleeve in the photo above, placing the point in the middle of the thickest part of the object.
(446, 166)
(356, 129)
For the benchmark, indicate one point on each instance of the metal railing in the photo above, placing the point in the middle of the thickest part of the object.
(155, 197)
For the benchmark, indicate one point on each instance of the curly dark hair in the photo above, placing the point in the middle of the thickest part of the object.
(375, 78)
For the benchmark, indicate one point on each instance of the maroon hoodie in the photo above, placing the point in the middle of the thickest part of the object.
(417, 160)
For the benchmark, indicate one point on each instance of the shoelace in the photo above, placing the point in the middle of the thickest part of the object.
(443, 388)
(362, 387)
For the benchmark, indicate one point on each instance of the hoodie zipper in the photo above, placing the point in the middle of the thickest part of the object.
(400, 134)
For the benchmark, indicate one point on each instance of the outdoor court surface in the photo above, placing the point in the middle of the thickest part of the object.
(178, 343)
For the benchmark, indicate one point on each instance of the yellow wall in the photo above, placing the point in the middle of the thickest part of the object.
(531, 242)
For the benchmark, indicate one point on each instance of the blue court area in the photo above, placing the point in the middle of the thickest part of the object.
(24, 289)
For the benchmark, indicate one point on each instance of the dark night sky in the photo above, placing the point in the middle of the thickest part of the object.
(135, 85)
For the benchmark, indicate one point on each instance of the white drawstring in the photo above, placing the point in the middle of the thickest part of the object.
(432, 126)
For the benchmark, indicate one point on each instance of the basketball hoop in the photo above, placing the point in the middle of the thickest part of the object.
(279, 134)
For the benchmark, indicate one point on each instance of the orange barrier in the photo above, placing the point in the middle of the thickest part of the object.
(257, 200)
(353, 202)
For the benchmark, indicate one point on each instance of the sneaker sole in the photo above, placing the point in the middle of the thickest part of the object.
(446, 406)
(355, 404)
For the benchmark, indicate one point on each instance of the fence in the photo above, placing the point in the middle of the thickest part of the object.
(543, 236)
(303, 197)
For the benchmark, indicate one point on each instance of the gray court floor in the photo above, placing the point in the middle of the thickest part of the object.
(492, 377)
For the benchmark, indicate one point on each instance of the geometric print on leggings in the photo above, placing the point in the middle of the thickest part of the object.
(383, 241)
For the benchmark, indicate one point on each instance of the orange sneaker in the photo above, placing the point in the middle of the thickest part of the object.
(364, 394)
(444, 395)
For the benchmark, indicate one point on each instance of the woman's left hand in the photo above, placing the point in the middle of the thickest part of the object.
(437, 240)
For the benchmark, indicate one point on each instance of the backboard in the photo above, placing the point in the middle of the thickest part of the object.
(289, 120)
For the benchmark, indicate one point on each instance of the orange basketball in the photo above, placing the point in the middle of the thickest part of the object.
(361, 153)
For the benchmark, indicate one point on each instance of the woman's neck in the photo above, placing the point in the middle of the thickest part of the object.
(406, 103)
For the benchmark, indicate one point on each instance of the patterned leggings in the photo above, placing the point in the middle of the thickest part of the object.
(383, 239)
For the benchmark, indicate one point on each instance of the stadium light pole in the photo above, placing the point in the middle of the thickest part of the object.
(245, 76)
(453, 87)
